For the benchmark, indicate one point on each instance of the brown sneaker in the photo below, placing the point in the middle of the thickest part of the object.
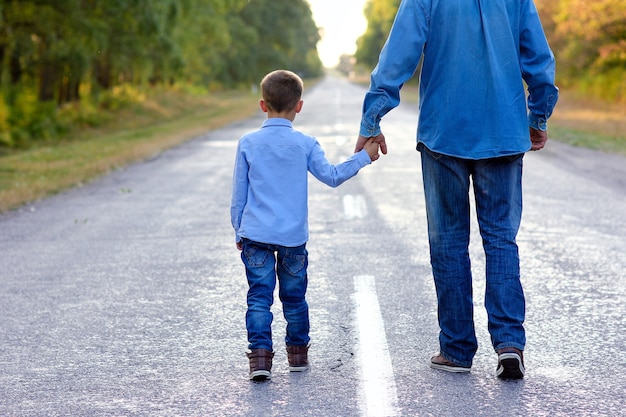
(510, 363)
(439, 362)
(260, 364)
(298, 358)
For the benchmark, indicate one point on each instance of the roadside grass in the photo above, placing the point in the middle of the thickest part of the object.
(593, 124)
(136, 132)
(168, 118)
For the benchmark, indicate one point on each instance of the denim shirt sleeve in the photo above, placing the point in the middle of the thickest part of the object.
(538, 68)
(397, 62)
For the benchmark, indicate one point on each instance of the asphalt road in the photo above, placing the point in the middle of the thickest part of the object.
(126, 297)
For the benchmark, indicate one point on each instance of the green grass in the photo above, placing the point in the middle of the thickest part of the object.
(134, 133)
(144, 129)
(585, 139)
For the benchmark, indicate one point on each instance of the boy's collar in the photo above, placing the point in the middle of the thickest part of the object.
(277, 121)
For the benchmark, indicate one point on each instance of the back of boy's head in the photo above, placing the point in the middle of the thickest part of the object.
(281, 90)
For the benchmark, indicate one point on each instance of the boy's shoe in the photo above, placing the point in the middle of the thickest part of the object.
(298, 358)
(510, 363)
(260, 364)
(439, 362)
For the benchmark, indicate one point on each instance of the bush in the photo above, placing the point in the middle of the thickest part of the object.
(608, 85)
(31, 121)
(5, 131)
(120, 96)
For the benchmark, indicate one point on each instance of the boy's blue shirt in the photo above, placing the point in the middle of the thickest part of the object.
(270, 182)
(472, 98)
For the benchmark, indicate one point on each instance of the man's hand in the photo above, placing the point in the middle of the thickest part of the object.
(371, 148)
(240, 245)
(380, 140)
(538, 138)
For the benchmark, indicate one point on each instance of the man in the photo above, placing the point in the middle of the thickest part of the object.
(473, 126)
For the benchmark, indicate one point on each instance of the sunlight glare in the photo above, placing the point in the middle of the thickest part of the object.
(341, 23)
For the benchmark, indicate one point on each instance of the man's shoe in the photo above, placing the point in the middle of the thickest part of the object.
(298, 358)
(510, 363)
(260, 364)
(439, 362)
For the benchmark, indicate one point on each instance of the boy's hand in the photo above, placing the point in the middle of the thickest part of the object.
(380, 139)
(240, 245)
(371, 147)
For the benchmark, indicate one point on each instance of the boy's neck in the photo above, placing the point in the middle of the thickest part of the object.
(289, 115)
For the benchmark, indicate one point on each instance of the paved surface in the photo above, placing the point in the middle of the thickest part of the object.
(126, 297)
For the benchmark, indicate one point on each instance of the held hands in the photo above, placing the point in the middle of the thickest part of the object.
(371, 145)
(371, 148)
(538, 139)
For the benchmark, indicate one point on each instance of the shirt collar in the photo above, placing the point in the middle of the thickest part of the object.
(277, 121)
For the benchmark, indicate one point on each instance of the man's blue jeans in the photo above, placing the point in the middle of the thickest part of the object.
(497, 187)
(263, 263)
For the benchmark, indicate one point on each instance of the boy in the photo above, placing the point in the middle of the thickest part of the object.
(269, 213)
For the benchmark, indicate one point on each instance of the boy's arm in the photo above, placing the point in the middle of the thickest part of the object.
(239, 193)
(335, 175)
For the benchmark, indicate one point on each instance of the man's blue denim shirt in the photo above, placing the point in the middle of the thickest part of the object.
(270, 182)
(476, 57)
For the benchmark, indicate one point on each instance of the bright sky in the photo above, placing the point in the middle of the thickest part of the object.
(342, 22)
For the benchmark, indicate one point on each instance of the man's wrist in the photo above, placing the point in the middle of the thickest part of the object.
(369, 131)
(537, 122)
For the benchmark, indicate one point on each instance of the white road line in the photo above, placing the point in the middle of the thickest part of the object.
(378, 385)
(354, 206)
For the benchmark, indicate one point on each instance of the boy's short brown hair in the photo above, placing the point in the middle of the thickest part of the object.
(281, 90)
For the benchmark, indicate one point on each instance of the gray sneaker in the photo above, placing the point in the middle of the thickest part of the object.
(510, 363)
(260, 364)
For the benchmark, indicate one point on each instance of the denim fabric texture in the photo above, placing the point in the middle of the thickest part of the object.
(264, 264)
(270, 182)
(497, 185)
(472, 99)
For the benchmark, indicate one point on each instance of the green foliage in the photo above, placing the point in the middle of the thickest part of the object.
(5, 133)
(120, 97)
(609, 84)
(588, 39)
(380, 15)
(31, 119)
(87, 114)
(53, 52)
(290, 45)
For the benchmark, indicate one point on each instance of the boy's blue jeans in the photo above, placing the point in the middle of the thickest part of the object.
(497, 187)
(263, 263)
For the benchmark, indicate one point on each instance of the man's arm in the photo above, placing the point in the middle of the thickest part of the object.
(538, 70)
(397, 63)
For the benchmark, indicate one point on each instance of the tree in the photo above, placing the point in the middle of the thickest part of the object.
(595, 33)
(51, 49)
(287, 37)
(589, 42)
(380, 15)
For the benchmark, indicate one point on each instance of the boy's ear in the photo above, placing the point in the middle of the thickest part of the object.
(263, 105)
(299, 106)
